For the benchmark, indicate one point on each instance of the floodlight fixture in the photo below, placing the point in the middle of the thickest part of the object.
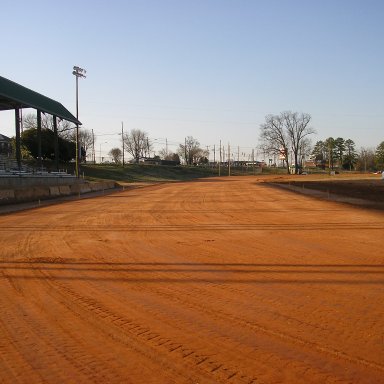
(79, 72)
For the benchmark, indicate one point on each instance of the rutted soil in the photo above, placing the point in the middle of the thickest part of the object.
(223, 280)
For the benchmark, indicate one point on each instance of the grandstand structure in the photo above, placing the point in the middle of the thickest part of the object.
(14, 96)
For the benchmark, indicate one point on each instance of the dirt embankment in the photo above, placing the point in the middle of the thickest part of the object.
(357, 189)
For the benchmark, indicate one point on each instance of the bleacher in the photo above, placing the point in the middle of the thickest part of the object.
(9, 168)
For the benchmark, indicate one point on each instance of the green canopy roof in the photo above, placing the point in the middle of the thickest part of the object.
(13, 95)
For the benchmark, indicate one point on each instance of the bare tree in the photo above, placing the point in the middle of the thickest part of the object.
(286, 133)
(30, 121)
(86, 138)
(137, 143)
(191, 152)
(167, 155)
(297, 127)
(116, 154)
(64, 127)
(305, 149)
(366, 160)
(274, 137)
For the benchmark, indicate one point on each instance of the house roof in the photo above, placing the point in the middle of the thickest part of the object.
(13, 95)
(4, 138)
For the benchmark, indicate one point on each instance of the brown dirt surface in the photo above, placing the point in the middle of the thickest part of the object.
(224, 280)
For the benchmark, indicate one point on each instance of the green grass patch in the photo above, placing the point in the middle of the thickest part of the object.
(144, 173)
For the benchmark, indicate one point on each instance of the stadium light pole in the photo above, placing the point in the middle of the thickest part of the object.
(78, 72)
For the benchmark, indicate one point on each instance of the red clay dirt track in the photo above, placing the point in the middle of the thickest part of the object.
(222, 280)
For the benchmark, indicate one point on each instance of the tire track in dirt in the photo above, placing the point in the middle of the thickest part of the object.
(40, 346)
(330, 351)
(132, 332)
(195, 303)
(188, 329)
(142, 329)
(206, 227)
(13, 366)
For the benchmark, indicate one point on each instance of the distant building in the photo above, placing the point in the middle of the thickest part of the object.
(5, 145)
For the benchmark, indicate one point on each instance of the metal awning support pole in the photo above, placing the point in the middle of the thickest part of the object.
(18, 140)
(39, 156)
(56, 142)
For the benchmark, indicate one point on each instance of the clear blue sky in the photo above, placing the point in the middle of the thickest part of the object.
(211, 69)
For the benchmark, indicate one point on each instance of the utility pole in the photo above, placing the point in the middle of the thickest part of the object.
(253, 160)
(220, 159)
(93, 148)
(229, 160)
(166, 147)
(78, 72)
(122, 139)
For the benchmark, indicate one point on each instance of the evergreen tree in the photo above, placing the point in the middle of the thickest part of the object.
(350, 157)
(379, 156)
(339, 150)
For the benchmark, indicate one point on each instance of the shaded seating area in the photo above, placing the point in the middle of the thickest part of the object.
(15, 97)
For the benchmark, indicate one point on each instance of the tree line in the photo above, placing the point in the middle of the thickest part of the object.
(138, 144)
(337, 152)
(286, 135)
(342, 154)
